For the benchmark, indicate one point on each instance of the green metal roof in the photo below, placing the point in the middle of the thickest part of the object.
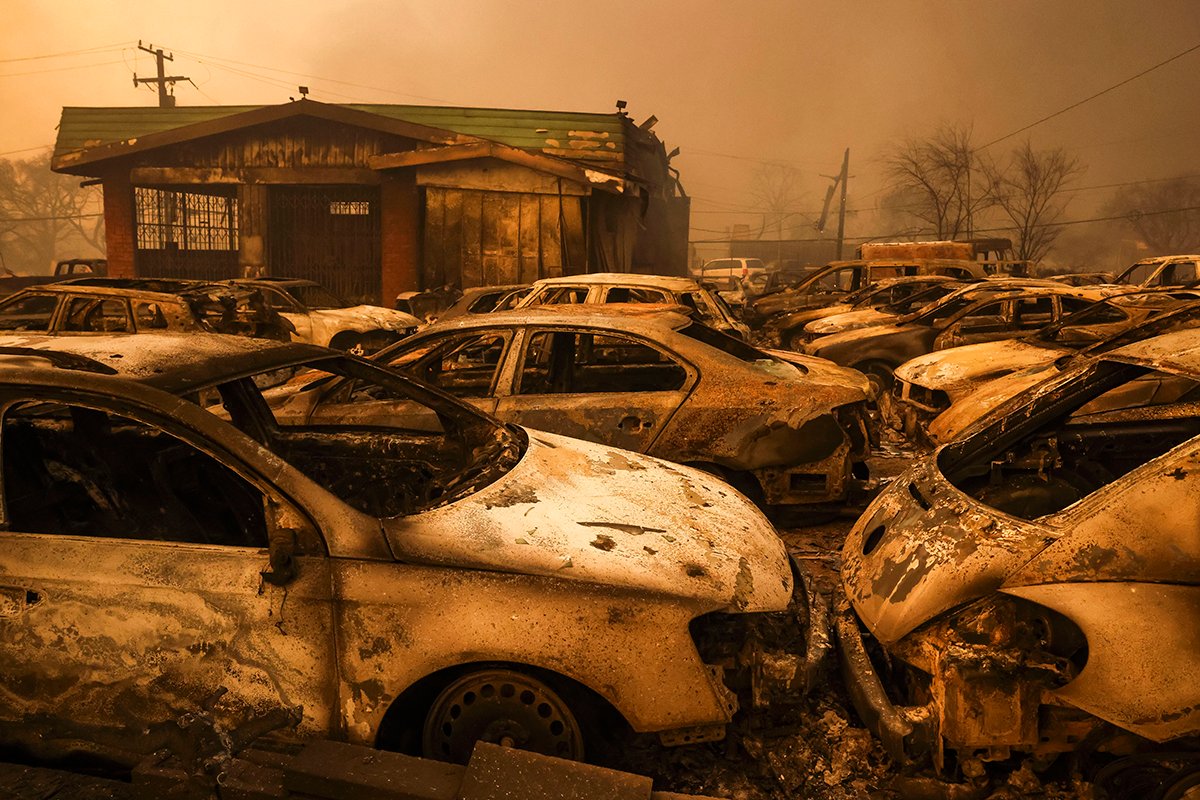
(582, 136)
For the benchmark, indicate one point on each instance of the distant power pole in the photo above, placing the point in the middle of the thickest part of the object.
(165, 100)
(843, 178)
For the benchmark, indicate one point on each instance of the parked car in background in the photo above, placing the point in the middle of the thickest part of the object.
(789, 330)
(484, 300)
(927, 385)
(1082, 278)
(182, 516)
(68, 268)
(1032, 587)
(659, 383)
(321, 317)
(718, 270)
(140, 305)
(829, 285)
(622, 287)
(982, 313)
(1162, 271)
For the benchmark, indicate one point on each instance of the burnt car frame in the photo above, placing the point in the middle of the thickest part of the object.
(85, 307)
(168, 540)
(927, 385)
(1034, 584)
(601, 288)
(978, 313)
(657, 382)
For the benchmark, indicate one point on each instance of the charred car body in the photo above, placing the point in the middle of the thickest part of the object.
(1034, 584)
(980, 313)
(927, 385)
(620, 287)
(788, 329)
(140, 305)
(418, 576)
(648, 380)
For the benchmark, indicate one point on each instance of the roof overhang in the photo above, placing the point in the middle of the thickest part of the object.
(480, 149)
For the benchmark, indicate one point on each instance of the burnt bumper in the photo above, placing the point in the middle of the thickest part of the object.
(907, 732)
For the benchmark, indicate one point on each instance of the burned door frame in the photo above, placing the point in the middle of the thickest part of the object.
(271, 646)
(182, 232)
(328, 234)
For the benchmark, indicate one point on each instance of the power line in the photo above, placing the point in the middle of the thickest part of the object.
(52, 217)
(1063, 224)
(101, 49)
(58, 69)
(27, 149)
(1088, 99)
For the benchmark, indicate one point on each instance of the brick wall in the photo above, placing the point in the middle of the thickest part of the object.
(119, 229)
(400, 223)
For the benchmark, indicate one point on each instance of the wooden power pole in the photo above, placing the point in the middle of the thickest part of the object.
(165, 99)
(842, 178)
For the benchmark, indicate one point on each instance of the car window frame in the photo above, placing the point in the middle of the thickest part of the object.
(518, 349)
(310, 542)
(55, 315)
(64, 313)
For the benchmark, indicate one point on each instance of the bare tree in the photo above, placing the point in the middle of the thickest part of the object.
(776, 189)
(1029, 192)
(43, 213)
(1164, 214)
(941, 176)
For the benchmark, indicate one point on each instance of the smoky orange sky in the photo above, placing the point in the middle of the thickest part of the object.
(733, 84)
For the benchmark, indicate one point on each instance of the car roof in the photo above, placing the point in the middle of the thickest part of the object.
(125, 287)
(670, 282)
(174, 362)
(1177, 351)
(646, 318)
(272, 280)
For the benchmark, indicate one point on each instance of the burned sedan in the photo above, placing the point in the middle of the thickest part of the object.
(1035, 586)
(657, 382)
(415, 575)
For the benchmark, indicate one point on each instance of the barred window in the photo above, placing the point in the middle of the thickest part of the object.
(185, 220)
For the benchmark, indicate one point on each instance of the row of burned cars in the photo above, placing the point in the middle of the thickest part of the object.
(546, 527)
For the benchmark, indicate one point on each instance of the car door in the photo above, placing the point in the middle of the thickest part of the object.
(986, 322)
(31, 312)
(137, 581)
(605, 387)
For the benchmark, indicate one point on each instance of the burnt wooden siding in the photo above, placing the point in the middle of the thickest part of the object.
(480, 238)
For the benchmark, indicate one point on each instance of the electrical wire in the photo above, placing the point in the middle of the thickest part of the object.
(100, 49)
(1088, 99)
(57, 69)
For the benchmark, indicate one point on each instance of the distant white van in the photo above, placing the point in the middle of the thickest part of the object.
(728, 272)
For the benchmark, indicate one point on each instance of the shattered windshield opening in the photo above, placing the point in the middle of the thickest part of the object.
(1073, 437)
(724, 342)
(317, 298)
(383, 443)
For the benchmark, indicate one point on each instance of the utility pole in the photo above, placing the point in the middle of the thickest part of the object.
(843, 178)
(165, 100)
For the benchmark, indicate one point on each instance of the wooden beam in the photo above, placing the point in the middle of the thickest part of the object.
(475, 150)
(166, 176)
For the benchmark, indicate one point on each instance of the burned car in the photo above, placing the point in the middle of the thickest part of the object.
(828, 286)
(93, 306)
(980, 313)
(704, 303)
(321, 317)
(411, 575)
(984, 399)
(927, 385)
(1162, 271)
(660, 383)
(865, 315)
(1033, 587)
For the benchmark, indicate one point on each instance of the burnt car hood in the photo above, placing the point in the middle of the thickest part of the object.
(586, 512)
(849, 321)
(923, 548)
(968, 409)
(959, 369)
(824, 373)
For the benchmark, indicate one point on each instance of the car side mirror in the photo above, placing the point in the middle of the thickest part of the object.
(282, 536)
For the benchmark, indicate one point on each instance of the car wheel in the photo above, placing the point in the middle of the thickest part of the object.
(502, 707)
(880, 376)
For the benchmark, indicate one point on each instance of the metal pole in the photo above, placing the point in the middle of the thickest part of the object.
(845, 176)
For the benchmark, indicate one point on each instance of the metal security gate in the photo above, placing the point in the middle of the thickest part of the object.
(186, 234)
(327, 234)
